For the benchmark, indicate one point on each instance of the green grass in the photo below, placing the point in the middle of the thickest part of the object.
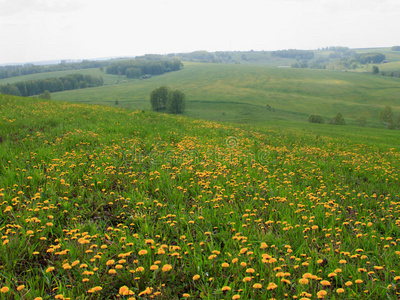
(94, 198)
(108, 78)
(240, 93)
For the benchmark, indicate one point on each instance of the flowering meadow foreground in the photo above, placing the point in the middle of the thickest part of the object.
(105, 203)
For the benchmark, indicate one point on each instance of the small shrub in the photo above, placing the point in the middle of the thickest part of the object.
(338, 120)
(316, 119)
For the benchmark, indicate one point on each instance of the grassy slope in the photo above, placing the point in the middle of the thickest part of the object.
(108, 79)
(84, 189)
(241, 93)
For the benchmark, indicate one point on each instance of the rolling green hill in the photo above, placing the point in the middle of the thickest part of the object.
(241, 93)
(108, 78)
(98, 202)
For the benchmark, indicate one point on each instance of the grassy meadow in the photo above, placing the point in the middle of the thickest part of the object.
(108, 78)
(98, 202)
(241, 93)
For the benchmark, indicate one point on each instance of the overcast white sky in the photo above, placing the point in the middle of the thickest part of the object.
(36, 30)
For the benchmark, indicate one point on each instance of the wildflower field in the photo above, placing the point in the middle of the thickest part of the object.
(105, 203)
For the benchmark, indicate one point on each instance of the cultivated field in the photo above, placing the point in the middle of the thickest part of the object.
(98, 202)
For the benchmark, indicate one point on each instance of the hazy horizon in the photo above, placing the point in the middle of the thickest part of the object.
(45, 30)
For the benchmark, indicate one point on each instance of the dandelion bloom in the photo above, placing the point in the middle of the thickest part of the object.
(321, 294)
(38, 298)
(250, 270)
(340, 291)
(236, 297)
(112, 271)
(142, 252)
(332, 274)
(225, 265)
(348, 283)
(154, 267)
(303, 281)
(110, 262)
(257, 286)
(226, 288)
(97, 288)
(272, 286)
(166, 268)
(21, 287)
(195, 277)
(185, 295)
(359, 281)
(246, 279)
(325, 283)
(49, 269)
(397, 278)
(4, 289)
(59, 297)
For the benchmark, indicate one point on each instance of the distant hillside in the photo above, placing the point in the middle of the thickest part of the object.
(241, 93)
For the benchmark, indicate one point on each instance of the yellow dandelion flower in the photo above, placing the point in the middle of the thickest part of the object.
(247, 279)
(196, 277)
(358, 281)
(321, 294)
(340, 291)
(154, 267)
(226, 288)
(142, 252)
(4, 289)
(348, 283)
(123, 289)
(236, 297)
(250, 270)
(272, 286)
(112, 271)
(110, 262)
(49, 269)
(225, 265)
(303, 281)
(20, 287)
(166, 268)
(257, 286)
(325, 283)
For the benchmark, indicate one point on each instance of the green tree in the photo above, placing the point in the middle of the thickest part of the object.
(375, 70)
(386, 116)
(176, 102)
(45, 95)
(316, 119)
(338, 120)
(159, 98)
(362, 121)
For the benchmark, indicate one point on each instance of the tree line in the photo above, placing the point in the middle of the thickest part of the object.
(27, 69)
(136, 68)
(35, 87)
(293, 53)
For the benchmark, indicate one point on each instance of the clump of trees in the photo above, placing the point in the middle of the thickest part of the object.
(316, 119)
(293, 53)
(395, 48)
(36, 87)
(165, 99)
(136, 68)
